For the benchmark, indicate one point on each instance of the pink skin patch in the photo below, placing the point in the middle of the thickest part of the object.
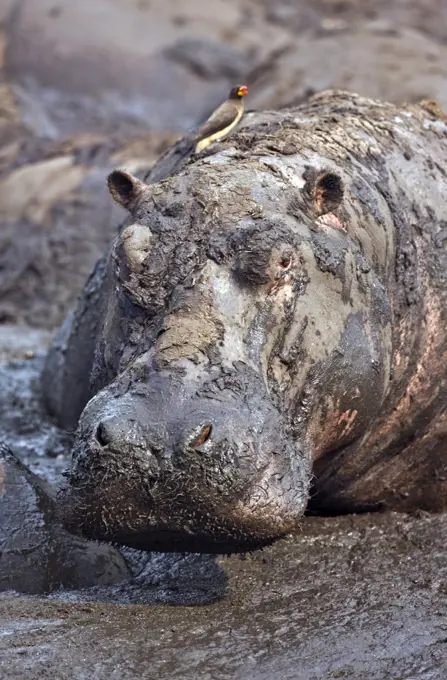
(331, 220)
(347, 417)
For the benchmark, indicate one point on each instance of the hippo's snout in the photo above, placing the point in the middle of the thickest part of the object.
(165, 467)
(110, 433)
(117, 434)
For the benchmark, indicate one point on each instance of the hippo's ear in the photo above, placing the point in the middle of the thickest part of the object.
(324, 188)
(125, 188)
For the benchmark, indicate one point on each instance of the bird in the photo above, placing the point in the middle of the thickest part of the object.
(218, 126)
(222, 120)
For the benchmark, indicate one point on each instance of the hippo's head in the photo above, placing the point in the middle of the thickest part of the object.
(220, 330)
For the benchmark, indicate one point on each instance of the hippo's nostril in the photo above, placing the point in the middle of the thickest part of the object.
(102, 435)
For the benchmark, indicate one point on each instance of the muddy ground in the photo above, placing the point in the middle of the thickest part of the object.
(359, 598)
(88, 86)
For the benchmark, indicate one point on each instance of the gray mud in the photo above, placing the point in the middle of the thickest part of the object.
(42, 446)
(353, 597)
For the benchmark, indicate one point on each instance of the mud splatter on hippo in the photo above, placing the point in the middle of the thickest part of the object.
(268, 326)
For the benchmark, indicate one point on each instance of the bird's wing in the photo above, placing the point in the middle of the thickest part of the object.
(222, 118)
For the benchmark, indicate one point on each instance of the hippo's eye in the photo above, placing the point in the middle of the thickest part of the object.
(202, 437)
(285, 260)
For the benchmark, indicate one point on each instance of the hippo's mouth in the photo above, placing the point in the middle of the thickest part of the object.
(188, 508)
(219, 537)
(178, 522)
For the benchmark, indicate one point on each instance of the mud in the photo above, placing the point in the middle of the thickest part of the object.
(24, 426)
(130, 63)
(38, 554)
(358, 597)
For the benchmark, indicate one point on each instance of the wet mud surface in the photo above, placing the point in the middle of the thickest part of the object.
(349, 597)
(361, 597)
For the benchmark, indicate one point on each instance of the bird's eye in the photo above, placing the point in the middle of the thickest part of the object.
(202, 437)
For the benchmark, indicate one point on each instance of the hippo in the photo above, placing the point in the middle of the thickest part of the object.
(266, 336)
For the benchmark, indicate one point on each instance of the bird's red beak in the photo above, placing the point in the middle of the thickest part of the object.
(242, 91)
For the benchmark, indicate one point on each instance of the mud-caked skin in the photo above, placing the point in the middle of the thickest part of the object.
(268, 327)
